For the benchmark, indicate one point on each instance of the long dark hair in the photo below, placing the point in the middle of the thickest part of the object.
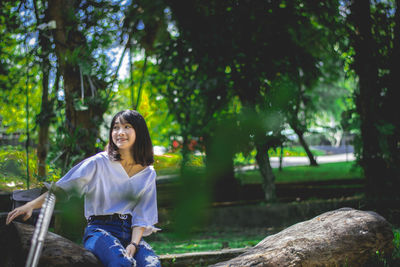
(142, 149)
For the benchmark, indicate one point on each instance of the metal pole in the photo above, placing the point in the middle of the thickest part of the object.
(41, 228)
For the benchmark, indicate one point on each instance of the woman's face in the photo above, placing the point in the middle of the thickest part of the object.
(123, 134)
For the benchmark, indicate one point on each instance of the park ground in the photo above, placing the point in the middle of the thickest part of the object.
(337, 172)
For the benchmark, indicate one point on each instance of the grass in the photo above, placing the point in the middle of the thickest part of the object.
(327, 171)
(294, 151)
(169, 243)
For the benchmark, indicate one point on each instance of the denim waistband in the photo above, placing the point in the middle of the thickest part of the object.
(111, 217)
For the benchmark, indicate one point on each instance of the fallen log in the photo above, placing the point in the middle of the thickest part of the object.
(57, 251)
(343, 237)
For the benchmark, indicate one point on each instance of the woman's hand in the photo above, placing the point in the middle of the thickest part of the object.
(25, 210)
(131, 250)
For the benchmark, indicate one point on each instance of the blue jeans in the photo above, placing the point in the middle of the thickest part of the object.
(107, 239)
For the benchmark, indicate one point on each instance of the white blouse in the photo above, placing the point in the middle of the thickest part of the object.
(108, 189)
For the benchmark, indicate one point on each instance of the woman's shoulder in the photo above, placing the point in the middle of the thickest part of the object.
(149, 173)
(100, 157)
(151, 169)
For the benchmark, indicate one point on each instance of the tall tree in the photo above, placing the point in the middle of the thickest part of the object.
(374, 33)
(81, 33)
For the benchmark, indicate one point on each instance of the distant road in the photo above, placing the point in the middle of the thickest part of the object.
(299, 161)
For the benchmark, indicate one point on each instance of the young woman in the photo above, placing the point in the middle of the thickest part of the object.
(120, 195)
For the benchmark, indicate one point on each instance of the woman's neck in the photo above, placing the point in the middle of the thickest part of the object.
(126, 157)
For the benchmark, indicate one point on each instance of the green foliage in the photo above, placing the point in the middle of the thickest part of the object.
(10, 55)
(166, 162)
(69, 147)
(12, 162)
(170, 163)
(207, 67)
(193, 95)
(152, 106)
(200, 74)
(396, 243)
(19, 71)
(94, 27)
(24, 93)
(13, 170)
(273, 59)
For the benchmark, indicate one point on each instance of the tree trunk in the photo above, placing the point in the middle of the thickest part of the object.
(57, 251)
(305, 146)
(46, 110)
(344, 237)
(220, 168)
(281, 158)
(71, 48)
(43, 147)
(44, 123)
(268, 177)
(226, 185)
(185, 152)
(392, 104)
(367, 101)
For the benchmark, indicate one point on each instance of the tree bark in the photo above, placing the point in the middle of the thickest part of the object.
(46, 110)
(57, 251)
(344, 237)
(377, 171)
(281, 158)
(268, 177)
(392, 104)
(305, 146)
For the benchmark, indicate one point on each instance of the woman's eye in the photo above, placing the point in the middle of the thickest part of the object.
(127, 126)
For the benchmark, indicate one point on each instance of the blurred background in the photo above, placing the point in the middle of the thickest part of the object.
(250, 105)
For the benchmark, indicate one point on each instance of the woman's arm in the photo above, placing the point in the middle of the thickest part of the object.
(137, 233)
(26, 209)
